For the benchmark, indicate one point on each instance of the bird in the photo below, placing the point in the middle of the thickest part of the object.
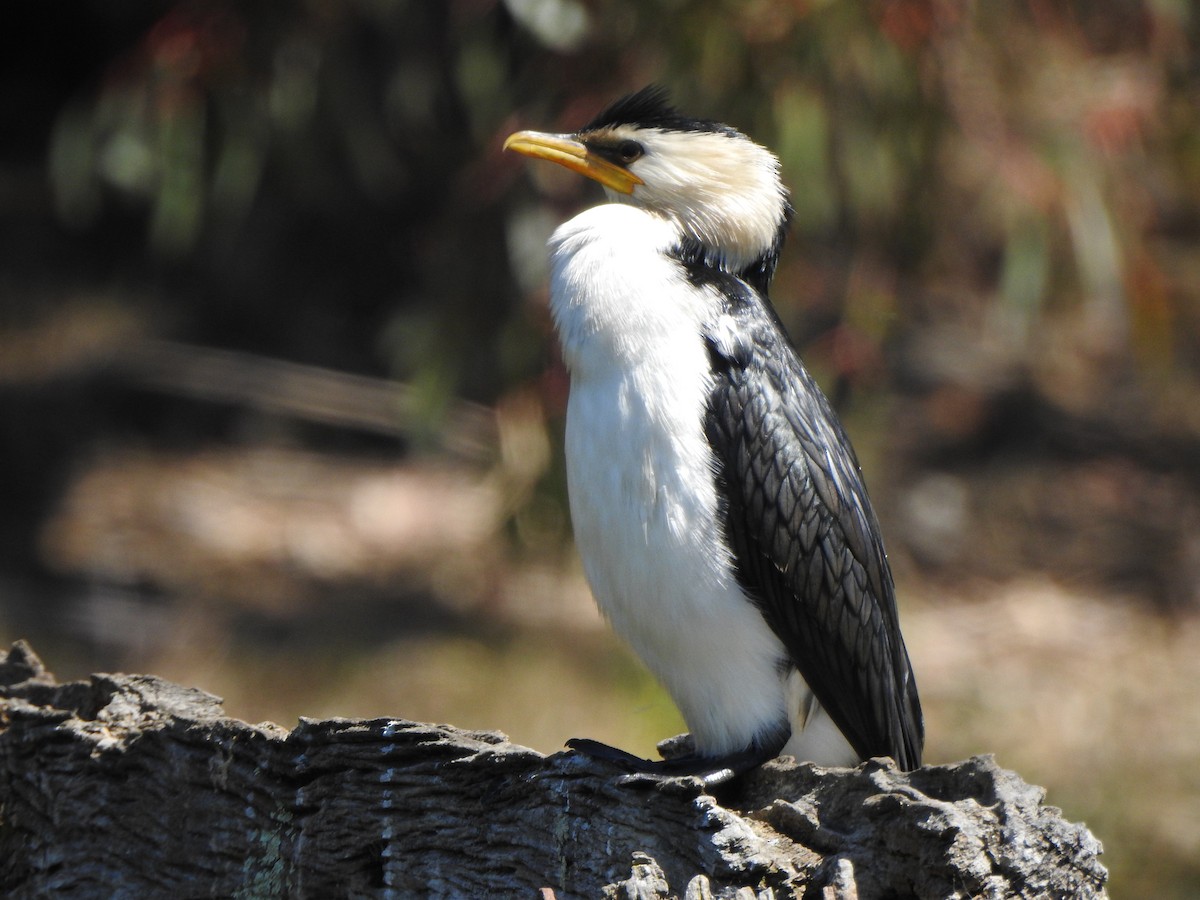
(718, 507)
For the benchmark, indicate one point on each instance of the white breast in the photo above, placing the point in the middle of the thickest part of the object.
(641, 474)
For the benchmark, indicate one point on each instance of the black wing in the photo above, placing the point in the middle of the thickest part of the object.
(807, 543)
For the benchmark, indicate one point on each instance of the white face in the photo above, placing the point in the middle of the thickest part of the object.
(722, 189)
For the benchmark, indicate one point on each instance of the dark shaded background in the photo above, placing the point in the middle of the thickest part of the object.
(280, 407)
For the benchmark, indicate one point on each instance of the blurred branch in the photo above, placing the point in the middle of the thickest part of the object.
(310, 393)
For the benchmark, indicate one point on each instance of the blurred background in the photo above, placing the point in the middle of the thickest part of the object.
(281, 409)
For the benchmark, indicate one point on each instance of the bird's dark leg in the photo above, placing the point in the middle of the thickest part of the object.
(712, 770)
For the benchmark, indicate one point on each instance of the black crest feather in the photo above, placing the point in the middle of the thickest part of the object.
(651, 108)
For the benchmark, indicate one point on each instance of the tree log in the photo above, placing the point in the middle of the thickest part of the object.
(130, 786)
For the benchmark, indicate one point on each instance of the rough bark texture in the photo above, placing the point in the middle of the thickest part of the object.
(130, 786)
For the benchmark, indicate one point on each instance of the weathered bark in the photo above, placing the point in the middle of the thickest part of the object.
(130, 786)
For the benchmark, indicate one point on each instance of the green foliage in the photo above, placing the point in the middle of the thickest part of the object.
(1023, 157)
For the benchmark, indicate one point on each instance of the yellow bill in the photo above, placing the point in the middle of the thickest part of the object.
(566, 151)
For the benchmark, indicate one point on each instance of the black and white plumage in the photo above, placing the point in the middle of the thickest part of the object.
(718, 507)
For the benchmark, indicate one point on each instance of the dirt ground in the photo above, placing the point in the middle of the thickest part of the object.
(292, 583)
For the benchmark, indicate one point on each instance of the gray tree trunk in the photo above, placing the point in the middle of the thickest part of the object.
(130, 786)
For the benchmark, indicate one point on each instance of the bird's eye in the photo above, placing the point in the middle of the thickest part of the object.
(628, 151)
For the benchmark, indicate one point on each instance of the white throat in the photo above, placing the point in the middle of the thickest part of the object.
(641, 474)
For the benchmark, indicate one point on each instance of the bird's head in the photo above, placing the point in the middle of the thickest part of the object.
(721, 189)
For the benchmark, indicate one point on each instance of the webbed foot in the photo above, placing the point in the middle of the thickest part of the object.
(711, 770)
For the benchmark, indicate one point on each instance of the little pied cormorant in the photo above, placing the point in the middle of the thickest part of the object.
(717, 504)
